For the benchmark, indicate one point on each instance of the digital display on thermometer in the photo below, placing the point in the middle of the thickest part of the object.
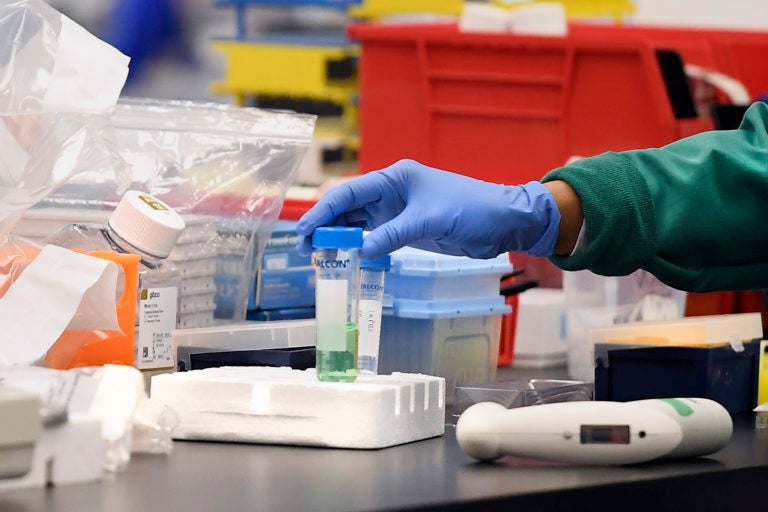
(605, 434)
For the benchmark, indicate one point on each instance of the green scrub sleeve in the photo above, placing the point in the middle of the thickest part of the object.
(694, 212)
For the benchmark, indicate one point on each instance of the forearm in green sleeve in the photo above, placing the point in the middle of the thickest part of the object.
(620, 232)
(695, 212)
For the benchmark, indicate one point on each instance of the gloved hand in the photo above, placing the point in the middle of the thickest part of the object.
(412, 204)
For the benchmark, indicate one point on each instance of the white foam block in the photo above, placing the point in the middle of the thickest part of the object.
(285, 406)
(70, 453)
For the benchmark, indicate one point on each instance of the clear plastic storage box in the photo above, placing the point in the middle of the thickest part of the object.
(241, 337)
(520, 393)
(460, 345)
(442, 316)
(424, 275)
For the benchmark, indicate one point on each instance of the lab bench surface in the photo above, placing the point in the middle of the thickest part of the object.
(433, 474)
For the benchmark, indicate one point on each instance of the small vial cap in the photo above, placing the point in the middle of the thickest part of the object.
(382, 263)
(337, 237)
(146, 223)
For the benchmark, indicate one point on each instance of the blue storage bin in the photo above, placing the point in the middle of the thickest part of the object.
(456, 339)
(624, 373)
(424, 275)
(284, 279)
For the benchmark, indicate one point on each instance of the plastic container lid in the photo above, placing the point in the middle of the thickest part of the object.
(146, 223)
(382, 263)
(409, 261)
(435, 309)
(337, 237)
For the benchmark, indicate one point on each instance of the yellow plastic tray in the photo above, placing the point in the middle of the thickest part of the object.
(284, 70)
(374, 9)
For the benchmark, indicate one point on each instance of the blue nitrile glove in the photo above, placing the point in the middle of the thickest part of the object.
(412, 204)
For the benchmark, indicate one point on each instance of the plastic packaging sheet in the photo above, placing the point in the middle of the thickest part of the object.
(58, 85)
(50, 126)
(48, 63)
(40, 151)
(600, 301)
(520, 393)
(225, 169)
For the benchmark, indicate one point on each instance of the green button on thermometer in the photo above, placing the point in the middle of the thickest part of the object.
(596, 433)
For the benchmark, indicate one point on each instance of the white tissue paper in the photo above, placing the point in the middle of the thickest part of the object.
(45, 300)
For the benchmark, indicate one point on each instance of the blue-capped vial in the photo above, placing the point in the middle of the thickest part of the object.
(372, 277)
(337, 290)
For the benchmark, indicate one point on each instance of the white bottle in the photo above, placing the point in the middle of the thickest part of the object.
(142, 225)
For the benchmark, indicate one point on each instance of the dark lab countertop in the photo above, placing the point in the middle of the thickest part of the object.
(433, 474)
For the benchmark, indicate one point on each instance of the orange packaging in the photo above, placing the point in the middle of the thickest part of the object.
(76, 348)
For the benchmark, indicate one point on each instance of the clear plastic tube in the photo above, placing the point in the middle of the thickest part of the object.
(372, 276)
(337, 286)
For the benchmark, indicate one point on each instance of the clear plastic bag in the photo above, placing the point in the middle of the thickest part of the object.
(40, 151)
(46, 138)
(224, 169)
(54, 122)
(48, 63)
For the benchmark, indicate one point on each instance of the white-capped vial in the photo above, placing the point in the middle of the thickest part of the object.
(372, 276)
(142, 225)
(337, 288)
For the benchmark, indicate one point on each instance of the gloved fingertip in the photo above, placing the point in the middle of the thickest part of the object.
(304, 245)
(306, 224)
(302, 229)
(372, 249)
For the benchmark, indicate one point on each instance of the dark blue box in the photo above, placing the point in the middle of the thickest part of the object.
(298, 358)
(266, 315)
(720, 373)
(285, 278)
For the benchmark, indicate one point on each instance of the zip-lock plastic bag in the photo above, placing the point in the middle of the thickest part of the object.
(225, 169)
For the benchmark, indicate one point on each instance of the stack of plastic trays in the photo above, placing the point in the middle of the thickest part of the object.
(442, 316)
(195, 258)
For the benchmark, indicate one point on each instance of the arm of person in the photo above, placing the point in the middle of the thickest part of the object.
(571, 216)
(694, 212)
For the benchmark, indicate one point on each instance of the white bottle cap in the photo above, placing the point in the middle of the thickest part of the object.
(146, 223)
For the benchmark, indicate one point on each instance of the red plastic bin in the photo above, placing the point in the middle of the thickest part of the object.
(508, 108)
(736, 53)
(293, 209)
(508, 327)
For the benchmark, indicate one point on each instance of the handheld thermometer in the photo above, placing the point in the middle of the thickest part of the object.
(596, 433)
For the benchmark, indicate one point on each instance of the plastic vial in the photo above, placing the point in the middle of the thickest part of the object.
(146, 226)
(372, 274)
(337, 288)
